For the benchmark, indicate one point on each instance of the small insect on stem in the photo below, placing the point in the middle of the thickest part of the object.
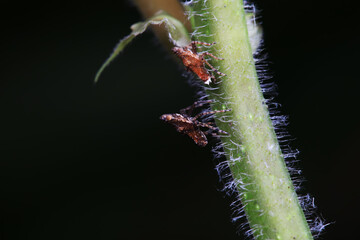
(195, 62)
(190, 126)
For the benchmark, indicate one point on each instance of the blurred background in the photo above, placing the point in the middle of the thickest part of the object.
(85, 161)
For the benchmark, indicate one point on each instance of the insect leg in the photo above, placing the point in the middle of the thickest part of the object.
(193, 45)
(203, 43)
(211, 55)
(210, 127)
(214, 69)
(211, 112)
(210, 132)
(196, 104)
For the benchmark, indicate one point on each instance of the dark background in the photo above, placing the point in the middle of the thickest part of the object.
(80, 161)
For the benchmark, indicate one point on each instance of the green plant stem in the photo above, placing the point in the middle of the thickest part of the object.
(253, 152)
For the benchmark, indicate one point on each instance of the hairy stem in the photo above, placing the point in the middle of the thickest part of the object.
(252, 149)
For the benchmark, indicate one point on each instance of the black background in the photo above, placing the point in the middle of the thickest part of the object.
(80, 161)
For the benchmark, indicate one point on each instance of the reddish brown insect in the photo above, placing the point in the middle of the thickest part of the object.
(195, 62)
(190, 126)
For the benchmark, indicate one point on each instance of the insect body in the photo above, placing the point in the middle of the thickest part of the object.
(195, 62)
(190, 126)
